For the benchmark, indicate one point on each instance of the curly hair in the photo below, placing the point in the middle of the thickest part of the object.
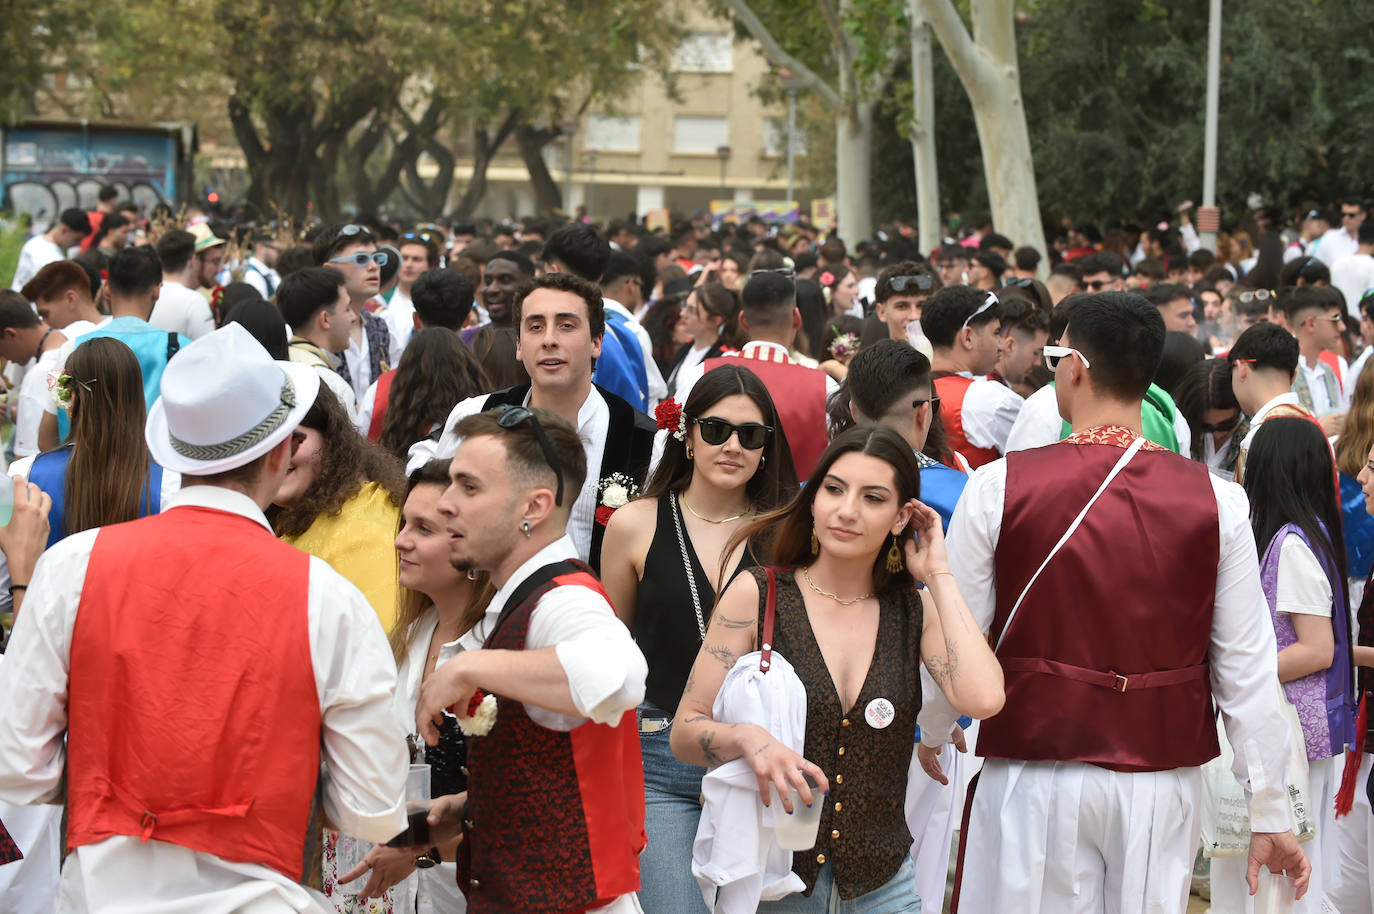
(435, 372)
(348, 462)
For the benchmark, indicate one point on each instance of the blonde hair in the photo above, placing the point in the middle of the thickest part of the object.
(1357, 437)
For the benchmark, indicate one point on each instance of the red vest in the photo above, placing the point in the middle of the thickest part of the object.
(379, 402)
(1106, 659)
(951, 390)
(555, 820)
(798, 394)
(193, 712)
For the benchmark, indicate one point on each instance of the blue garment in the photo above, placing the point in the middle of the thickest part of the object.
(620, 368)
(49, 473)
(896, 896)
(941, 487)
(1358, 528)
(672, 810)
(150, 346)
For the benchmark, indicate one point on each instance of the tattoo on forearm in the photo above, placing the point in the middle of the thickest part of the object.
(727, 622)
(942, 669)
(695, 720)
(708, 749)
(691, 680)
(726, 656)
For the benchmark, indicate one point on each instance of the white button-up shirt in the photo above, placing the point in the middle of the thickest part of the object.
(1243, 657)
(593, 425)
(362, 746)
(181, 310)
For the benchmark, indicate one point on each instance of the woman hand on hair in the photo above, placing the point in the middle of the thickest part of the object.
(25, 537)
(925, 549)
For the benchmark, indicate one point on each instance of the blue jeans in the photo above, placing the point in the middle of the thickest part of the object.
(672, 808)
(896, 896)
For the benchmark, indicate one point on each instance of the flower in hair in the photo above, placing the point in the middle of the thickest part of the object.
(844, 345)
(826, 279)
(671, 418)
(61, 385)
(479, 716)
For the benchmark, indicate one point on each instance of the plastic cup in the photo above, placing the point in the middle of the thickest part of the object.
(349, 852)
(1276, 893)
(417, 809)
(797, 832)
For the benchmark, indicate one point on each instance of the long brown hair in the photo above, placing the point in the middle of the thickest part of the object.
(348, 461)
(413, 603)
(721, 301)
(1357, 436)
(108, 474)
(785, 535)
(435, 372)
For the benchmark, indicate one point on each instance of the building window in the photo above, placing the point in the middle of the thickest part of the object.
(775, 138)
(705, 52)
(611, 134)
(700, 134)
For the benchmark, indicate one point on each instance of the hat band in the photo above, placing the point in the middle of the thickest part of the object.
(237, 445)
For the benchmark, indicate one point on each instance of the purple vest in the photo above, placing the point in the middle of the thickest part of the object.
(1325, 699)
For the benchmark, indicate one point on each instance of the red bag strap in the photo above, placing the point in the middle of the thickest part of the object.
(770, 611)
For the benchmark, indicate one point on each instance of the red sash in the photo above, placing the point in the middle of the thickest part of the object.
(379, 403)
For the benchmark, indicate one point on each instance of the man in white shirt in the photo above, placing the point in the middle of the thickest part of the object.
(1339, 243)
(1354, 274)
(1315, 315)
(61, 293)
(52, 245)
(1086, 802)
(1264, 361)
(180, 307)
(561, 322)
(964, 327)
(566, 676)
(622, 289)
(200, 799)
(26, 339)
(418, 254)
(260, 269)
(352, 250)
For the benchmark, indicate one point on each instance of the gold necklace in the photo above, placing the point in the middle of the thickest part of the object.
(825, 593)
(688, 505)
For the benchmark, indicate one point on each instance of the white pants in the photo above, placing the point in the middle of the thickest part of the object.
(1350, 853)
(1230, 894)
(1070, 838)
(931, 815)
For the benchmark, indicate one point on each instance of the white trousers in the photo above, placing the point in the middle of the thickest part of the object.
(1070, 838)
(931, 814)
(1230, 894)
(1350, 854)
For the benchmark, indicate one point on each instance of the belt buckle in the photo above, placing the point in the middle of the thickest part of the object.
(1121, 683)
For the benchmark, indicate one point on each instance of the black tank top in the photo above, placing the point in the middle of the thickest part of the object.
(665, 620)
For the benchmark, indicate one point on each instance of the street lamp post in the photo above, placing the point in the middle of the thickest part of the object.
(1208, 216)
(792, 85)
(724, 153)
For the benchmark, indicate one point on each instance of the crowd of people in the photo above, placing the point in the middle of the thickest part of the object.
(640, 552)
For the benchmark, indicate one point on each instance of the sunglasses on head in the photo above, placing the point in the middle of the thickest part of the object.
(348, 231)
(510, 417)
(1256, 295)
(752, 435)
(988, 302)
(921, 282)
(781, 271)
(362, 258)
(1020, 282)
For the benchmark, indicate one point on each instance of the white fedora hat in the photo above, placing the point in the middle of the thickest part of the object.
(225, 402)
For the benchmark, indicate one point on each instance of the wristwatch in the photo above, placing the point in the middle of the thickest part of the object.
(428, 859)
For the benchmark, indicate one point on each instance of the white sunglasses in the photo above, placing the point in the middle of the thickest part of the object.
(988, 302)
(1054, 353)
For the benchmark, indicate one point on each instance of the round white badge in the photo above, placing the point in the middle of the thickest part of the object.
(879, 713)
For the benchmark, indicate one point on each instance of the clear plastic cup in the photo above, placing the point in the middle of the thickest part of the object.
(798, 831)
(350, 852)
(1276, 893)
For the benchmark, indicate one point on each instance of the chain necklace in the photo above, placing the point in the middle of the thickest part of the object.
(825, 593)
(688, 505)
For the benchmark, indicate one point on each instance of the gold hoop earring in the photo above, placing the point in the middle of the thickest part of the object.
(894, 558)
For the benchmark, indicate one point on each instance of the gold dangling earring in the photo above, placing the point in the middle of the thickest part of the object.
(815, 543)
(689, 452)
(894, 558)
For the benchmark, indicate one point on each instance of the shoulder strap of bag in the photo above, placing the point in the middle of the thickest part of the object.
(770, 612)
(1120, 465)
(173, 344)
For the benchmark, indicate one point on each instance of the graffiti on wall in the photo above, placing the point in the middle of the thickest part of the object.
(49, 170)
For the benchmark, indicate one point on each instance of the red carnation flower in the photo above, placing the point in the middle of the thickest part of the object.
(668, 414)
(603, 514)
(474, 702)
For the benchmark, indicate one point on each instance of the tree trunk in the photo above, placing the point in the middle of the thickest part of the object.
(1007, 164)
(923, 133)
(532, 141)
(484, 148)
(853, 172)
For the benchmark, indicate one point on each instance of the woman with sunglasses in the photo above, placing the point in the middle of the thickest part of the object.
(847, 555)
(665, 558)
(1215, 421)
(439, 605)
(1297, 527)
(341, 502)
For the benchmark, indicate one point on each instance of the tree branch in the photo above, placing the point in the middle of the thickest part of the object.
(773, 50)
(954, 38)
(994, 29)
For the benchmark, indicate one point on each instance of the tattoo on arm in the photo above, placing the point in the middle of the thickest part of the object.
(727, 622)
(708, 749)
(942, 669)
(691, 680)
(726, 656)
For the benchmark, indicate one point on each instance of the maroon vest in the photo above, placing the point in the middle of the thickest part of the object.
(555, 820)
(798, 393)
(1106, 659)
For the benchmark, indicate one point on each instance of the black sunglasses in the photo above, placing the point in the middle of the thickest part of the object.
(921, 282)
(933, 401)
(752, 435)
(511, 416)
(1020, 282)
(1225, 425)
(787, 272)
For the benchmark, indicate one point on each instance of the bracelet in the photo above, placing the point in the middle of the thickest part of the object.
(14, 587)
(936, 574)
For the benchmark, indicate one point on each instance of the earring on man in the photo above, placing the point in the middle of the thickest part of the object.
(894, 557)
(525, 528)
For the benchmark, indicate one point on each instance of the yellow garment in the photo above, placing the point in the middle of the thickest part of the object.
(358, 543)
